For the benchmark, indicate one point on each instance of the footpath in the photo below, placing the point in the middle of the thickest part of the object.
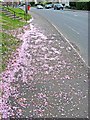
(45, 78)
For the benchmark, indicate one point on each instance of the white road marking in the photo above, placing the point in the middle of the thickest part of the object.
(72, 29)
(71, 45)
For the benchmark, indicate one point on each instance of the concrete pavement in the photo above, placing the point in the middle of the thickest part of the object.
(46, 77)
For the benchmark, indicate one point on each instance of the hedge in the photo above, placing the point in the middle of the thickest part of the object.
(80, 5)
(32, 3)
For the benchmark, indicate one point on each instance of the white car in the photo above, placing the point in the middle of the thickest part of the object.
(39, 7)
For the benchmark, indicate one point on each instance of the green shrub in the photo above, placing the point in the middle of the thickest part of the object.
(32, 3)
(80, 5)
(72, 5)
(48, 3)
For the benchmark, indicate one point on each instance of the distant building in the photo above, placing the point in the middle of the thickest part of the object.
(66, 2)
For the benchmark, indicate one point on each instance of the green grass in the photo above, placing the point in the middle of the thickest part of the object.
(8, 23)
(9, 45)
(19, 12)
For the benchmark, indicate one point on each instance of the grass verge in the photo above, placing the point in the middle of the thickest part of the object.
(8, 43)
(9, 24)
(18, 12)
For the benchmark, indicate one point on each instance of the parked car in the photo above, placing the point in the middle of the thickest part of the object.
(39, 7)
(58, 6)
(48, 6)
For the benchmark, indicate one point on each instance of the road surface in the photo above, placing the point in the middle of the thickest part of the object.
(72, 24)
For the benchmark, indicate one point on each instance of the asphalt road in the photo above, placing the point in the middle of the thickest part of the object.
(72, 24)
